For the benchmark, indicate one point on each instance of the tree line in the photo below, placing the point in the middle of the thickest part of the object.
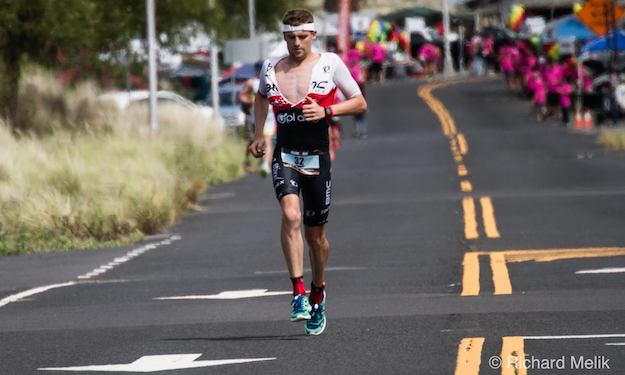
(45, 31)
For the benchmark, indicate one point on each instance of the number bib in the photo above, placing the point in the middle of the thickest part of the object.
(304, 162)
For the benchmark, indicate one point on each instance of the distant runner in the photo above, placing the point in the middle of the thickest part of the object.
(246, 98)
(301, 87)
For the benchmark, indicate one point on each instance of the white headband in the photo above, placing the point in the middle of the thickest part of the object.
(303, 27)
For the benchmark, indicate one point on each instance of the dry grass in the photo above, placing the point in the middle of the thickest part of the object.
(84, 175)
(613, 139)
(46, 106)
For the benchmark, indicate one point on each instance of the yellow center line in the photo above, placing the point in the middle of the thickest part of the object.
(513, 356)
(447, 123)
(470, 223)
(500, 259)
(516, 256)
(443, 117)
(439, 107)
(459, 148)
(454, 145)
(488, 216)
(462, 170)
(471, 275)
(462, 143)
(501, 278)
(469, 356)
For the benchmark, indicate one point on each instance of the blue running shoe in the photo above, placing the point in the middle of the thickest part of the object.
(301, 308)
(317, 322)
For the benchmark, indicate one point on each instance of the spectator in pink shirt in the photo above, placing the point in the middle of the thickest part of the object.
(430, 56)
(528, 64)
(540, 96)
(565, 90)
(536, 86)
(508, 58)
(354, 64)
(488, 51)
(377, 58)
(553, 75)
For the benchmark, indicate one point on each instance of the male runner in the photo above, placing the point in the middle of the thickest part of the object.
(301, 87)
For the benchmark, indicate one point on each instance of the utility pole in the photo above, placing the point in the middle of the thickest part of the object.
(252, 15)
(152, 65)
(214, 74)
(343, 38)
(448, 68)
(461, 48)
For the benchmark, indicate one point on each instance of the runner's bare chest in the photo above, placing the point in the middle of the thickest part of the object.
(294, 80)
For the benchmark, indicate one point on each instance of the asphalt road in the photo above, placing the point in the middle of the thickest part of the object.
(460, 230)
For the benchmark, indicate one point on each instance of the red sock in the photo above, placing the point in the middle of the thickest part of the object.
(316, 293)
(298, 286)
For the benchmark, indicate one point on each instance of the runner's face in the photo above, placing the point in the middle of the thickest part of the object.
(299, 43)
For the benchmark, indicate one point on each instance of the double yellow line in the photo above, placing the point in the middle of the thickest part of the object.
(459, 150)
(510, 361)
(499, 261)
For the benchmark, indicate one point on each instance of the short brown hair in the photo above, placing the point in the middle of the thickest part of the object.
(296, 17)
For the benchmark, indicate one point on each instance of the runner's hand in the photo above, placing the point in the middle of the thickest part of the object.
(313, 111)
(257, 147)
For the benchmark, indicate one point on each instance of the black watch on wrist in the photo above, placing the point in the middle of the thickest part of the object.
(328, 111)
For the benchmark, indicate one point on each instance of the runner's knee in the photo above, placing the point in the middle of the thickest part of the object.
(291, 216)
(315, 240)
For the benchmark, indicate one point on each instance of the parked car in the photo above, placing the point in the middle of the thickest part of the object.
(229, 106)
(125, 100)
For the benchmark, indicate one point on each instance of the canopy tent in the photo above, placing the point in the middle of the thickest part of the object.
(429, 15)
(567, 27)
(606, 43)
(600, 49)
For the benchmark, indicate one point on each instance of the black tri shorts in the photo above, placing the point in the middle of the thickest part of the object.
(308, 172)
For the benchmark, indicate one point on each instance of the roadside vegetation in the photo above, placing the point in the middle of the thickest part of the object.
(75, 173)
(613, 139)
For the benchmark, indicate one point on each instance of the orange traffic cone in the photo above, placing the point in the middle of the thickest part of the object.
(588, 125)
(579, 120)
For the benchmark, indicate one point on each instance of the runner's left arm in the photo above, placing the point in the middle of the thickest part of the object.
(354, 102)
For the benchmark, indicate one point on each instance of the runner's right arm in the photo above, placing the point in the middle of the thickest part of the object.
(261, 110)
(261, 106)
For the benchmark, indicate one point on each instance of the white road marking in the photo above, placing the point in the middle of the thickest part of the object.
(153, 363)
(128, 256)
(308, 270)
(567, 337)
(602, 270)
(31, 292)
(95, 272)
(230, 294)
(615, 344)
